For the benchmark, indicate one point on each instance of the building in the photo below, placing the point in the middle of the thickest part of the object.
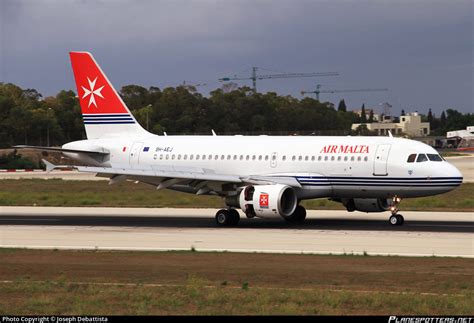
(409, 124)
(462, 139)
(367, 114)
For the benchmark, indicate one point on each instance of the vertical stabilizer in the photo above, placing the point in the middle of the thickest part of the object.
(103, 111)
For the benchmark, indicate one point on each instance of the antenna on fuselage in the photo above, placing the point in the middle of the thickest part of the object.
(390, 134)
(213, 132)
(164, 133)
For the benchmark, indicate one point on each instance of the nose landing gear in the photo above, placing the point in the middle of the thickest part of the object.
(395, 218)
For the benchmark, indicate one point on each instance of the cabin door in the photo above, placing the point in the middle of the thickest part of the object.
(381, 159)
(135, 154)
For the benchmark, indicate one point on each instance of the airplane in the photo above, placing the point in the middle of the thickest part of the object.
(264, 176)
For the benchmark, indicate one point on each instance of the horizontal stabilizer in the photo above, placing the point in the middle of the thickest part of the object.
(62, 150)
(50, 166)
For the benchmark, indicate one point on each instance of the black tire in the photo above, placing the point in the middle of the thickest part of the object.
(298, 216)
(235, 216)
(401, 219)
(223, 218)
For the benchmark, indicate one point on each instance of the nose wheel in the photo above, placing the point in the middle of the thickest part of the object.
(396, 219)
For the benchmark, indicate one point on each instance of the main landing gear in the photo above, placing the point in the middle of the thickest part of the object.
(227, 217)
(298, 216)
(395, 218)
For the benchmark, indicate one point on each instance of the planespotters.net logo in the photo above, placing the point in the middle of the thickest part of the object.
(447, 319)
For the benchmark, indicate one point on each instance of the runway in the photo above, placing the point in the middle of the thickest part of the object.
(335, 232)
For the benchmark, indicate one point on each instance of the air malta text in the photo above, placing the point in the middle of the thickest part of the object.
(345, 149)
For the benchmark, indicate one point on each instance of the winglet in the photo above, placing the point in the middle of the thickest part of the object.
(49, 166)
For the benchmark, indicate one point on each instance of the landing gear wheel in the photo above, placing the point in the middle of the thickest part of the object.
(225, 218)
(396, 219)
(401, 218)
(298, 216)
(235, 216)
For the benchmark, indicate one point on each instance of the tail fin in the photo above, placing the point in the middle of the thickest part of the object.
(103, 111)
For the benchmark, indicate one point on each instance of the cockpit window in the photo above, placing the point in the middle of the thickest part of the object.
(434, 157)
(411, 158)
(421, 158)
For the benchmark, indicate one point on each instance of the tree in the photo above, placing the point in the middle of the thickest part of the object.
(443, 118)
(363, 117)
(371, 116)
(342, 106)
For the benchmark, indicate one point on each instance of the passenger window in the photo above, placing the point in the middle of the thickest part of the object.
(191, 157)
(283, 158)
(247, 157)
(203, 157)
(161, 156)
(254, 157)
(411, 158)
(333, 158)
(216, 157)
(172, 157)
(339, 158)
(167, 157)
(293, 158)
(210, 157)
(346, 158)
(197, 157)
(306, 158)
(366, 158)
(235, 157)
(154, 156)
(421, 158)
(313, 158)
(352, 158)
(185, 157)
(319, 158)
(241, 157)
(266, 157)
(228, 157)
(434, 157)
(325, 158)
(260, 157)
(359, 158)
(300, 158)
(222, 157)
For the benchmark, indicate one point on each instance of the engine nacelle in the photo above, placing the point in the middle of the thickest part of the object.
(268, 201)
(368, 205)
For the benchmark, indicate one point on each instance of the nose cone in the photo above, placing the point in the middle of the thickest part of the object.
(453, 174)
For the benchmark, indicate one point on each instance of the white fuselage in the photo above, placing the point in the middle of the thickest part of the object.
(355, 167)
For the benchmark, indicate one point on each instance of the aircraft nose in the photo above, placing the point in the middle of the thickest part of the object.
(454, 174)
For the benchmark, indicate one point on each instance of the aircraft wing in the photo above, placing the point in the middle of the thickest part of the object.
(178, 174)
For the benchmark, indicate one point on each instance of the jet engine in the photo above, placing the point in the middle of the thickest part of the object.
(368, 205)
(268, 201)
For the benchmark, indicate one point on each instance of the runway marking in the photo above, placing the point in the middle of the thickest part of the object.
(276, 251)
(301, 289)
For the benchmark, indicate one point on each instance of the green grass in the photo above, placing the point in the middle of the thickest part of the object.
(190, 283)
(196, 298)
(57, 192)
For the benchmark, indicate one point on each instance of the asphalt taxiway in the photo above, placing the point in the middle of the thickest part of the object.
(324, 232)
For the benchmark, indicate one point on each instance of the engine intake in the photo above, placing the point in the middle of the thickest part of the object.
(368, 205)
(268, 201)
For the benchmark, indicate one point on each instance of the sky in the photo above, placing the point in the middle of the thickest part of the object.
(421, 50)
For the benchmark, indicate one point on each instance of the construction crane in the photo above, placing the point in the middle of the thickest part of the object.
(254, 77)
(318, 91)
